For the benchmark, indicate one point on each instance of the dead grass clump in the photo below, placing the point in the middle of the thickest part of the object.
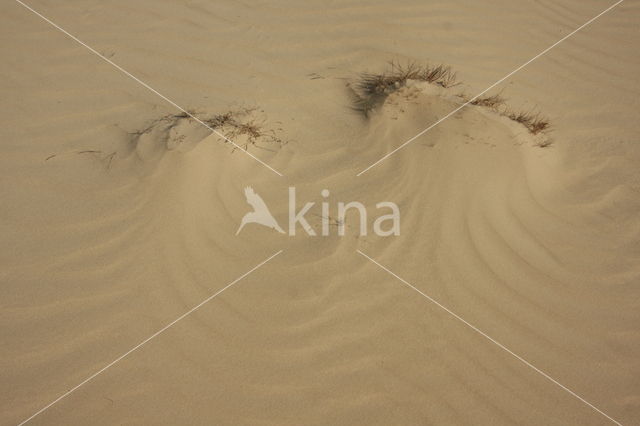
(372, 89)
(533, 121)
(239, 123)
(220, 120)
(231, 124)
(494, 102)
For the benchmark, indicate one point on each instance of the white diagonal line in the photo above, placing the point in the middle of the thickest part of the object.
(127, 73)
(163, 329)
(490, 87)
(483, 334)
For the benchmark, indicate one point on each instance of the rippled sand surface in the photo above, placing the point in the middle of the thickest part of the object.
(117, 217)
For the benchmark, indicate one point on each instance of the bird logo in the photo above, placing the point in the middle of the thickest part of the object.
(260, 214)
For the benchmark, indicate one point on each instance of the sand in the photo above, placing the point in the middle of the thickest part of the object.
(109, 235)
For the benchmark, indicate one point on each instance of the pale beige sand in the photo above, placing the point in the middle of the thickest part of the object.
(537, 247)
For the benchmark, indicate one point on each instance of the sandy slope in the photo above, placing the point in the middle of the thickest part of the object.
(537, 247)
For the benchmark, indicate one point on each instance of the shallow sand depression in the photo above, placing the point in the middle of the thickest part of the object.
(515, 298)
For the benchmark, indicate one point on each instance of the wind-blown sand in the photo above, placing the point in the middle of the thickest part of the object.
(537, 247)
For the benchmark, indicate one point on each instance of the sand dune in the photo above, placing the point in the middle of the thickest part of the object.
(119, 215)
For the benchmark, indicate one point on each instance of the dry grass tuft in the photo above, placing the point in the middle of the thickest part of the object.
(494, 102)
(238, 123)
(533, 121)
(231, 124)
(372, 89)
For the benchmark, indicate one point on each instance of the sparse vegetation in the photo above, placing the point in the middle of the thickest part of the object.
(372, 89)
(494, 102)
(232, 124)
(533, 121)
